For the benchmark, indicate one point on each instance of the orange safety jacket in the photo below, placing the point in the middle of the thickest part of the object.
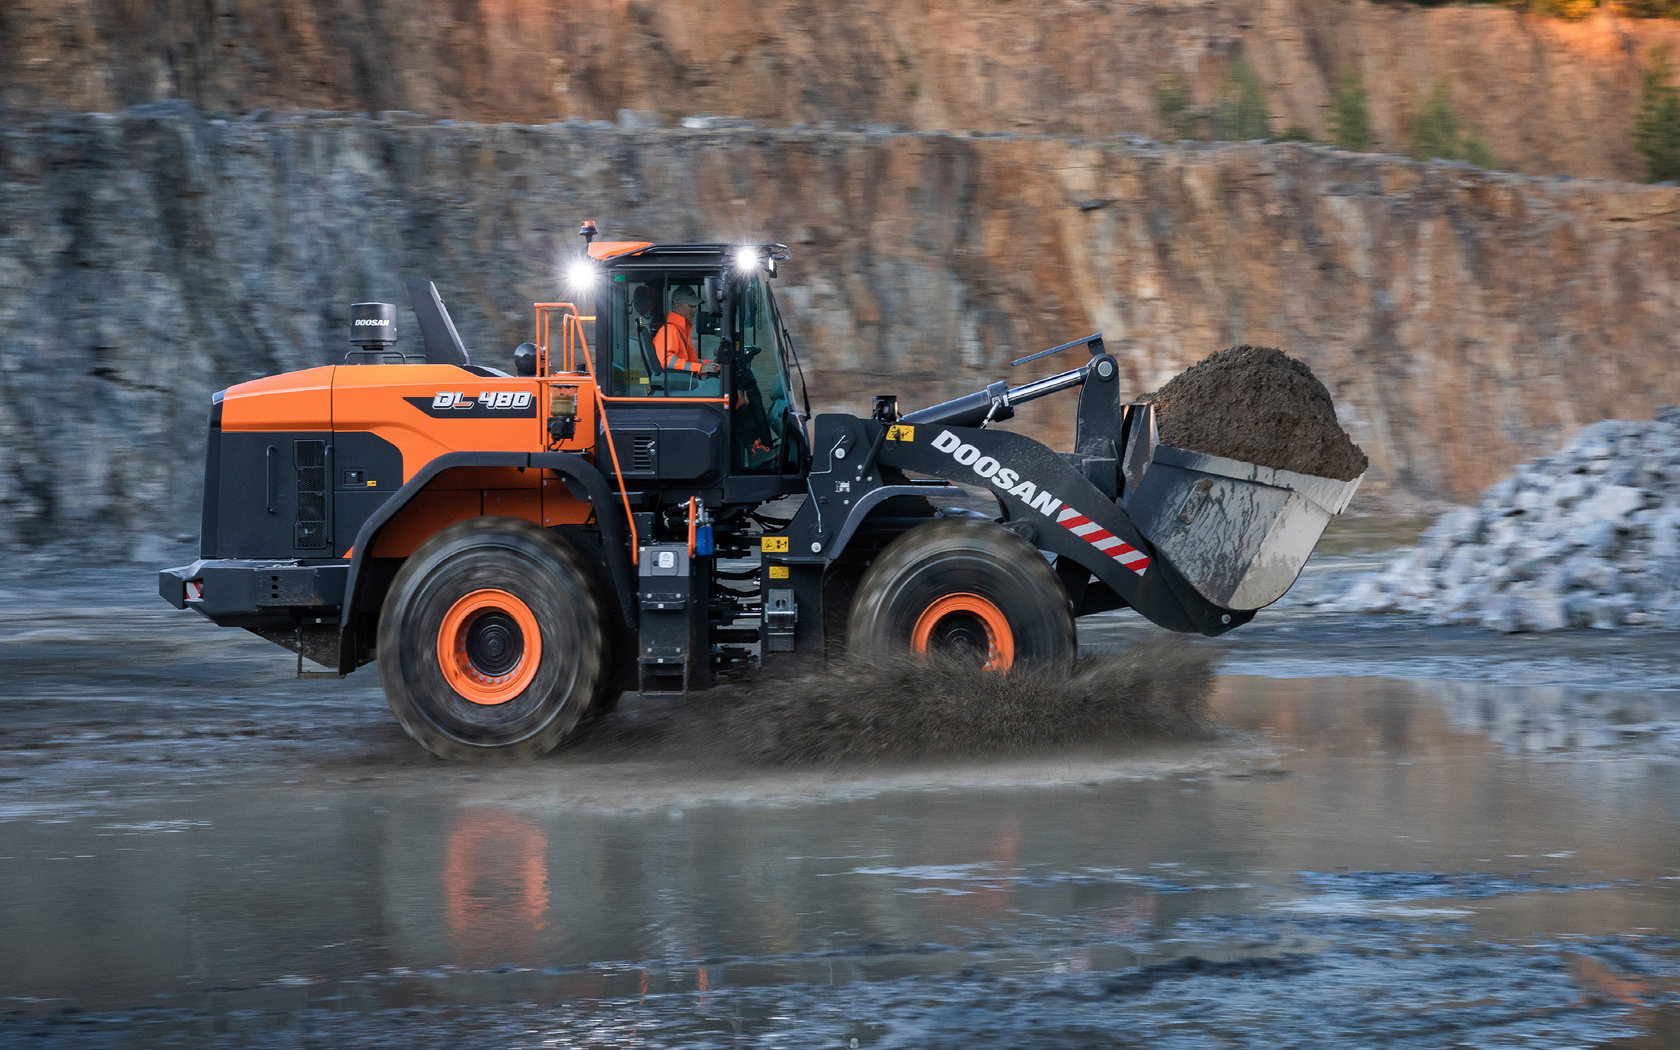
(674, 346)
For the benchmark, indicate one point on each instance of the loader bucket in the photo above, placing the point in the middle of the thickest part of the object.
(1238, 532)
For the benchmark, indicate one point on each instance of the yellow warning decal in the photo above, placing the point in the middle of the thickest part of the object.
(778, 572)
(899, 432)
(775, 545)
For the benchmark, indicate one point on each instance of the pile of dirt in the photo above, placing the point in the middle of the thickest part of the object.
(1258, 404)
(938, 708)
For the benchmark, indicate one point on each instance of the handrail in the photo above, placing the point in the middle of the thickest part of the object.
(571, 340)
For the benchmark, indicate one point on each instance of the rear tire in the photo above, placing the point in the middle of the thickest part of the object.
(491, 641)
(964, 584)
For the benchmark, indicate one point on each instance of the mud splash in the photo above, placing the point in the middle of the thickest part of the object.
(910, 709)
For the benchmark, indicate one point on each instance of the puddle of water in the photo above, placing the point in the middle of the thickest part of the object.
(1400, 868)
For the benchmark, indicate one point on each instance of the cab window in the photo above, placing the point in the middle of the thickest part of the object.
(662, 337)
(761, 417)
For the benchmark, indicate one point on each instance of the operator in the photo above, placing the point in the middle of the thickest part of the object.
(674, 342)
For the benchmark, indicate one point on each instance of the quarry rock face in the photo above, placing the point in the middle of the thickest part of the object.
(1588, 537)
(1463, 321)
(1543, 94)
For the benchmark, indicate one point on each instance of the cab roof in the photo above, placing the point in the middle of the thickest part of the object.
(694, 253)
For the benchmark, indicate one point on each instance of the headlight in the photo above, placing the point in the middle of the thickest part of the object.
(746, 259)
(581, 277)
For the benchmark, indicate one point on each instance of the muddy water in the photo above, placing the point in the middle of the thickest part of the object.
(194, 851)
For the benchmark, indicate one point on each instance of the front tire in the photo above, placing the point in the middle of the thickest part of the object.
(964, 586)
(491, 641)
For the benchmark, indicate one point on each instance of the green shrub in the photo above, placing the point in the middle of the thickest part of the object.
(1350, 113)
(1241, 112)
(1650, 8)
(1570, 9)
(1436, 135)
(1656, 130)
(1296, 133)
(1174, 107)
(1574, 9)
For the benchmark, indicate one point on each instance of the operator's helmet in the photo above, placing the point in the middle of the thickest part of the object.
(684, 294)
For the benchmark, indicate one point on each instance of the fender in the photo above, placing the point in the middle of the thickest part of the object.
(574, 469)
(869, 501)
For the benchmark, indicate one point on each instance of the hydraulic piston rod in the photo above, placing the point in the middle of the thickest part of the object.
(997, 401)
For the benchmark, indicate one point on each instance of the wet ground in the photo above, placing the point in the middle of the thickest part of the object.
(1393, 835)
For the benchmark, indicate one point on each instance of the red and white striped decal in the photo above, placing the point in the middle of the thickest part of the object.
(1103, 540)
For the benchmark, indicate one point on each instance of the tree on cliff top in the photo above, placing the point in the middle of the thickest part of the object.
(1650, 8)
(1436, 134)
(1241, 112)
(1656, 131)
(1175, 107)
(1350, 113)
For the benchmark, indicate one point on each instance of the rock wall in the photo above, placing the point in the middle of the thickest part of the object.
(1545, 95)
(1463, 320)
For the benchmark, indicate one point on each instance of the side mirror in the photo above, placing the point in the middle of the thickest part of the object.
(714, 295)
(525, 359)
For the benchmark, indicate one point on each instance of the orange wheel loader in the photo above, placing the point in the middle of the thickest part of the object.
(516, 548)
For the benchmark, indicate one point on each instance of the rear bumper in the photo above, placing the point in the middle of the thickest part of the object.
(231, 591)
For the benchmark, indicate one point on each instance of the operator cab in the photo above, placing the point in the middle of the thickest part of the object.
(691, 340)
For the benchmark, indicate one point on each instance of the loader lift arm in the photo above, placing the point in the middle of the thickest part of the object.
(1066, 505)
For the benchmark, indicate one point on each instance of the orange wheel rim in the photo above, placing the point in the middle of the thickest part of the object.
(961, 615)
(489, 646)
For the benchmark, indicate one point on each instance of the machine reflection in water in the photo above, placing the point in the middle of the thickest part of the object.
(495, 886)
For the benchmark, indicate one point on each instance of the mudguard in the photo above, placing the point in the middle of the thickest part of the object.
(581, 478)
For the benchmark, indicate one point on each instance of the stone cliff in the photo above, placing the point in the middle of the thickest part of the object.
(1545, 95)
(1464, 320)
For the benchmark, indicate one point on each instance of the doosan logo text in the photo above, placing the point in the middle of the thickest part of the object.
(372, 322)
(1087, 529)
(996, 473)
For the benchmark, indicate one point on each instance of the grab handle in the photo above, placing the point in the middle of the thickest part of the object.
(272, 480)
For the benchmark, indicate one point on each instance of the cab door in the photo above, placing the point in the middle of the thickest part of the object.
(669, 424)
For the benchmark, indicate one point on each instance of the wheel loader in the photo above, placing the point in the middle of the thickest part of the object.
(517, 548)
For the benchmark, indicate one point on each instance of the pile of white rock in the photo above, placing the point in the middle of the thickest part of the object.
(1589, 537)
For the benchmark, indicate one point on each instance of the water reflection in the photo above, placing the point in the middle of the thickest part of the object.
(495, 886)
(1394, 819)
(1541, 719)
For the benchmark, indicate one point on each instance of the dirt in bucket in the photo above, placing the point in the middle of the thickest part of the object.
(1256, 403)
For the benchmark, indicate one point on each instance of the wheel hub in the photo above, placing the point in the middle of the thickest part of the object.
(966, 624)
(494, 643)
(489, 646)
(960, 633)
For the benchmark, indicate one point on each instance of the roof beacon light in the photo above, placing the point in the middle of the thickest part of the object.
(746, 259)
(587, 231)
